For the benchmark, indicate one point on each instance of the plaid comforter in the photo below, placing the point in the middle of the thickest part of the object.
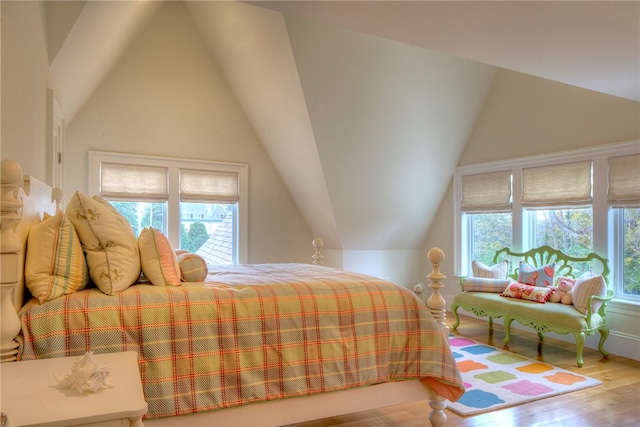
(250, 333)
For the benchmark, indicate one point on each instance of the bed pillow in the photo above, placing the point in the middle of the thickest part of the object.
(110, 246)
(483, 284)
(55, 263)
(157, 259)
(540, 276)
(532, 293)
(497, 271)
(193, 268)
(585, 286)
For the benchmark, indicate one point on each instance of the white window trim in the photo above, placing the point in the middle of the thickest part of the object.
(174, 165)
(603, 232)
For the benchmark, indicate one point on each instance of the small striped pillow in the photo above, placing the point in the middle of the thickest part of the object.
(55, 264)
(193, 267)
(586, 286)
(483, 284)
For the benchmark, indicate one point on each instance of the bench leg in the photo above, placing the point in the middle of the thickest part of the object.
(604, 333)
(454, 308)
(507, 329)
(580, 337)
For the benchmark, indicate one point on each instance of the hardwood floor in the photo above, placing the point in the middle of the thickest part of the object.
(614, 403)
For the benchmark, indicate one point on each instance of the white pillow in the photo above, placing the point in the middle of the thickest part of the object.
(110, 246)
(498, 271)
(585, 286)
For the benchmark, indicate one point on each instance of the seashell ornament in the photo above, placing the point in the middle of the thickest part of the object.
(86, 375)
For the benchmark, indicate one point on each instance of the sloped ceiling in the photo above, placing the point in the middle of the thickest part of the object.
(590, 44)
(364, 106)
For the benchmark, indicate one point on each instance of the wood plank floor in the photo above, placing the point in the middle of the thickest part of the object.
(614, 403)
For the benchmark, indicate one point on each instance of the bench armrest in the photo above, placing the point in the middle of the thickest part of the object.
(601, 310)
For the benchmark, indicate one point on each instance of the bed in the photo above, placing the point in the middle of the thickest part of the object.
(261, 344)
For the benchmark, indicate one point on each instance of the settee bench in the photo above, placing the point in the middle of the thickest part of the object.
(549, 317)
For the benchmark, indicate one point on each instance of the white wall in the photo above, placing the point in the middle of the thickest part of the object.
(24, 87)
(527, 116)
(166, 96)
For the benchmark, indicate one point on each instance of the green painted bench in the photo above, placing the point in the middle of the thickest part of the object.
(549, 317)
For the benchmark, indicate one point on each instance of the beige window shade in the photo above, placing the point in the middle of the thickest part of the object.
(209, 186)
(133, 182)
(558, 185)
(487, 192)
(624, 180)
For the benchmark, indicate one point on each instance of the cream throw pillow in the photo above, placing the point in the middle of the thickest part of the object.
(55, 263)
(586, 286)
(109, 243)
(158, 261)
(497, 271)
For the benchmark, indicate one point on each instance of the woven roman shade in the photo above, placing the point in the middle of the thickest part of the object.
(568, 184)
(208, 186)
(133, 182)
(486, 192)
(624, 181)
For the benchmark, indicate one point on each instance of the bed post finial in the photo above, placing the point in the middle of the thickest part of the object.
(10, 247)
(318, 244)
(436, 302)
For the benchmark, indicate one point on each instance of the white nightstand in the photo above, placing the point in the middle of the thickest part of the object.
(30, 396)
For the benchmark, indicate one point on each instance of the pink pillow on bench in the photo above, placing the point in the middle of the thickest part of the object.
(528, 292)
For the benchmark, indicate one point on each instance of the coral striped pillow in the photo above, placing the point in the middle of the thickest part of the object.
(55, 264)
(157, 259)
(586, 286)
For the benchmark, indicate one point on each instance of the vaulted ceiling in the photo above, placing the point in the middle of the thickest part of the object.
(363, 105)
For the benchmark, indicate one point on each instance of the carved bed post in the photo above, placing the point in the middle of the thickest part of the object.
(318, 258)
(11, 245)
(437, 304)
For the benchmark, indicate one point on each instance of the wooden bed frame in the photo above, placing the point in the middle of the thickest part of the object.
(24, 199)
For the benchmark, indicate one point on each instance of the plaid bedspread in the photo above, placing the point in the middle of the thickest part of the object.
(250, 333)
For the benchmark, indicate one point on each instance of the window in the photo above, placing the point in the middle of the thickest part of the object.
(579, 202)
(623, 198)
(200, 206)
(486, 204)
(557, 201)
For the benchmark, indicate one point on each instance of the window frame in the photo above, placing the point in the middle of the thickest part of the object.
(174, 165)
(605, 239)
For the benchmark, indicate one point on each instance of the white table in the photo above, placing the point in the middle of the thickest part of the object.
(30, 396)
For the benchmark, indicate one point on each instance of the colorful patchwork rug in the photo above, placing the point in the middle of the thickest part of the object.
(496, 379)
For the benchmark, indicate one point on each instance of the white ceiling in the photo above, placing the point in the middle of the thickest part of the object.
(350, 75)
(590, 44)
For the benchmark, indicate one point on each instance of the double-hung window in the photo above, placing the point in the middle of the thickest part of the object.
(578, 202)
(557, 207)
(199, 205)
(623, 198)
(486, 213)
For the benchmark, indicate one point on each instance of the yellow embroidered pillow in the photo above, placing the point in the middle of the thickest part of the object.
(55, 263)
(157, 259)
(110, 246)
